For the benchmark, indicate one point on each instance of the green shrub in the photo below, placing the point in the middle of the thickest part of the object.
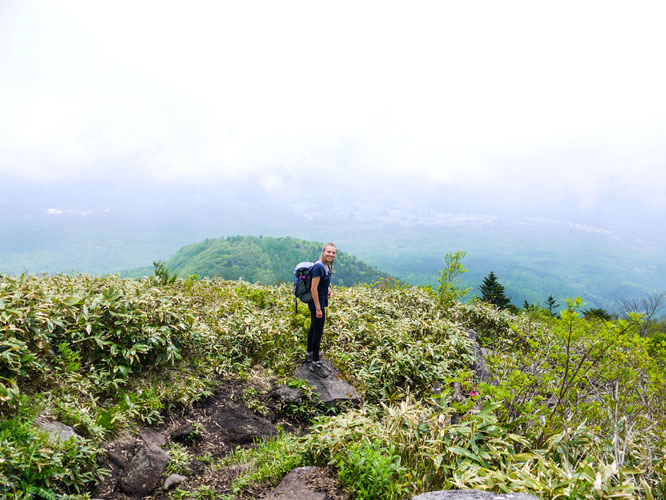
(31, 462)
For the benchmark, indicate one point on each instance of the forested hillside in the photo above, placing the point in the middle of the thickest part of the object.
(264, 260)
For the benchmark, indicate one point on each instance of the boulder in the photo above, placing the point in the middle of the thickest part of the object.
(237, 424)
(286, 394)
(152, 438)
(297, 486)
(143, 473)
(332, 389)
(57, 431)
(173, 481)
(472, 495)
(186, 434)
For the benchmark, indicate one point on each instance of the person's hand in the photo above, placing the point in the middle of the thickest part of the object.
(330, 292)
(318, 313)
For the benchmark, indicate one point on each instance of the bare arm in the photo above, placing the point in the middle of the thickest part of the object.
(315, 295)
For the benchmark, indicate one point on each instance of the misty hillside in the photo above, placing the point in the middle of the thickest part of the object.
(533, 258)
(263, 260)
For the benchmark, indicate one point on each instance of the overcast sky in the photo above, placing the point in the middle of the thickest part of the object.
(513, 103)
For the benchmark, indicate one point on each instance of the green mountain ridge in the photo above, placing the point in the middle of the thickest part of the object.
(262, 260)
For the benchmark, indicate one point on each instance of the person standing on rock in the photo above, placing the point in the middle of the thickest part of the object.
(321, 292)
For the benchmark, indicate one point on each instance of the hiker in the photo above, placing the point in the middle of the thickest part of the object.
(321, 291)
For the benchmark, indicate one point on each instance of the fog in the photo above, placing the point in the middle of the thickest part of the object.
(221, 118)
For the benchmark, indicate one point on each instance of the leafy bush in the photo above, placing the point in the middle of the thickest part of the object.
(31, 462)
(577, 408)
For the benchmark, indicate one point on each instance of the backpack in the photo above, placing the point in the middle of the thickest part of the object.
(302, 281)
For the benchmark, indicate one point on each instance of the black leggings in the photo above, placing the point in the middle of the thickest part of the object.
(315, 333)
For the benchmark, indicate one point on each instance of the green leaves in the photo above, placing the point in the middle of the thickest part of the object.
(576, 408)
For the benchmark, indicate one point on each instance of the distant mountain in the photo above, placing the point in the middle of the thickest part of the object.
(532, 258)
(264, 260)
(117, 228)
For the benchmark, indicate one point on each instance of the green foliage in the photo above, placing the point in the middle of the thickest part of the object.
(492, 291)
(597, 313)
(450, 287)
(371, 470)
(179, 460)
(31, 462)
(551, 304)
(164, 277)
(576, 409)
(269, 461)
(390, 341)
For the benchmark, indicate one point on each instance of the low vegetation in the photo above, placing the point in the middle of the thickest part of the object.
(575, 408)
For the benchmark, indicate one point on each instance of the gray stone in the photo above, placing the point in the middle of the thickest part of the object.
(295, 486)
(152, 437)
(195, 466)
(331, 389)
(471, 495)
(117, 459)
(57, 431)
(186, 434)
(144, 472)
(480, 367)
(236, 424)
(287, 394)
(173, 480)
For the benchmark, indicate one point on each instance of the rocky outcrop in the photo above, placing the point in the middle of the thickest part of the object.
(480, 367)
(332, 389)
(236, 424)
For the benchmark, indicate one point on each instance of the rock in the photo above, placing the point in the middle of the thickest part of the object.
(472, 495)
(173, 480)
(296, 486)
(185, 434)
(57, 431)
(332, 389)
(480, 367)
(152, 437)
(144, 472)
(117, 459)
(238, 424)
(287, 394)
(195, 466)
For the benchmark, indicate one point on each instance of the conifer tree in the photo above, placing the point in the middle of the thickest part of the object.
(492, 291)
(550, 302)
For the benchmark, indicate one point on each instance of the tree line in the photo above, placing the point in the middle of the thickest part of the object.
(651, 308)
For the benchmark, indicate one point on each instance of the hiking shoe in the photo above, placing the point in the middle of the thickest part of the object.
(308, 357)
(317, 367)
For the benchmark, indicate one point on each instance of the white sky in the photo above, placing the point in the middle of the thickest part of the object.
(534, 100)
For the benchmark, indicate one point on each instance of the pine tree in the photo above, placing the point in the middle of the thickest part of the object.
(550, 302)
(492, 291)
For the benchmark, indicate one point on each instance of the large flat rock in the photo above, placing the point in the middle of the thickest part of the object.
(332, 389)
